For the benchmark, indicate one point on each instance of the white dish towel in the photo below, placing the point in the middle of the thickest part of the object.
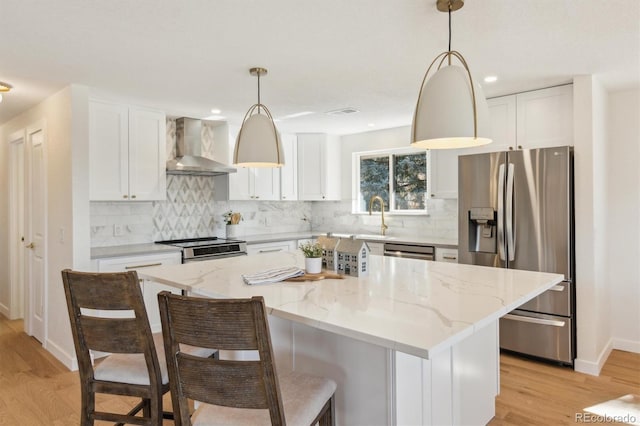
(272, 275)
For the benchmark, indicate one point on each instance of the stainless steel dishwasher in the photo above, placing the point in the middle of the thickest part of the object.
(410, 251)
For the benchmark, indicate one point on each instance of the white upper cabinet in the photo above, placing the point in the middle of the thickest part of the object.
(127, 156)
(545, 118)
(248, 183)
(289, 172)
(536, 119)
(444, 172)
(318, 167)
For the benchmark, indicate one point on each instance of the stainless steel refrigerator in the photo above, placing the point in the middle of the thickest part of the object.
(515, 210)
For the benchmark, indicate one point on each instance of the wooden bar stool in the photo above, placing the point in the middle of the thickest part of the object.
(234, 392)
(136, 366)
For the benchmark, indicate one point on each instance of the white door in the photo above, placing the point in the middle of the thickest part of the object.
(36, 210)
(16, 225)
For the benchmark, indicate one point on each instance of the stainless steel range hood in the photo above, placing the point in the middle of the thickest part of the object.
(189, 159)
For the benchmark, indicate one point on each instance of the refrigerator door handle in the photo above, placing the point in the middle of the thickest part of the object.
(501, 247)
(511, 240)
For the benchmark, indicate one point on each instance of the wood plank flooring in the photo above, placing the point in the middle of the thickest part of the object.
(35, 389)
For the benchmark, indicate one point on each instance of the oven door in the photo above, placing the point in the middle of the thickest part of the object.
(212, 257)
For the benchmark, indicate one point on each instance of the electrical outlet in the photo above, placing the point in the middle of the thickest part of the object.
(118, 230)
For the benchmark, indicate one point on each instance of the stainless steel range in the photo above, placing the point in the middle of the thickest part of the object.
(208, 248)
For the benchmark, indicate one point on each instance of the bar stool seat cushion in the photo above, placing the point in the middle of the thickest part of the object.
(303, 397)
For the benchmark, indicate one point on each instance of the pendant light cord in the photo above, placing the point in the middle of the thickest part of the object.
(449, 28)
(259, 92)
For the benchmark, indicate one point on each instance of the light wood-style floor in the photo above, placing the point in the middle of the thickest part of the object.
(35, 389)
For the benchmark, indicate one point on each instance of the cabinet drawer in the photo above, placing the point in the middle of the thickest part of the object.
(271, 247)
(446, 255)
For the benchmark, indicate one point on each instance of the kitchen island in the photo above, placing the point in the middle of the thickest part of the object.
(414, 342)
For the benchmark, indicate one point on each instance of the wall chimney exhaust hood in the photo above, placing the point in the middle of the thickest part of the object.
(189, 159)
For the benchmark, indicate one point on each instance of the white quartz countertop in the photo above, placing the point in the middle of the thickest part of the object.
(413, 306)
(132, 250)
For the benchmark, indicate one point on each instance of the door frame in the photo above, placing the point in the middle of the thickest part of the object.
(17, 225)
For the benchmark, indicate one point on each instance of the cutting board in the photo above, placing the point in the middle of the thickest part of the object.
(317, 277)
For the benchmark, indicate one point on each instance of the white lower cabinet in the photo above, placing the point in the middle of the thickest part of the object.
(446, 255)
(271, 247)
(150, 289)
(376, 248)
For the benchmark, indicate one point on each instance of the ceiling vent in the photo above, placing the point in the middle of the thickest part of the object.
(342, 111)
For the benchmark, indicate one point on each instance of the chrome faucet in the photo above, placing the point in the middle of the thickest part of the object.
(383, 227)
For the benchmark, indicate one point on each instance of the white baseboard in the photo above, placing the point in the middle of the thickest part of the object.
(591, 367)
(626, 345)
(4, 310)
(61, 355)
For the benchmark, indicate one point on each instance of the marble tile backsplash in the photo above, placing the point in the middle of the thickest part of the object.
(336, 216)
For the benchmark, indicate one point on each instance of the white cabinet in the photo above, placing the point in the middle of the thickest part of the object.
(248, 183)
(253, 183)
(444, 172)
(545, 117)
(127, 154)
(376, 248)
(319, 167)
(446, 255)
(150, 289)
(289, 172)
(271, 247)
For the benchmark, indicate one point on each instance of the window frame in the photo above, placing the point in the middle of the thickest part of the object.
(355, 180)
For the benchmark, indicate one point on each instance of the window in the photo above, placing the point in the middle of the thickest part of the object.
(398, 176)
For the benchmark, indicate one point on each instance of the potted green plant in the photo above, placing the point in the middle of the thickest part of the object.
(312, 257)
(231, 220)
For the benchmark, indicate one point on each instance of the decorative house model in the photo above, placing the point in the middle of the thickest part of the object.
(353, 257)
(329, 253)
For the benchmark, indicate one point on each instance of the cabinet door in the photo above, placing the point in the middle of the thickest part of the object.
(502, 113)
(444, 172)
(545, 117)
(239, 184)
(265, 183)
(108, 152)
(319, 167)
(310, 168)
(147, 155)
(289, 173)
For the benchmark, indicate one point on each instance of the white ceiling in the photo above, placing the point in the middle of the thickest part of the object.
(187, 57)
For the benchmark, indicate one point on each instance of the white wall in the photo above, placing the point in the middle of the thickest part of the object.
(66, 157)
(623, 223)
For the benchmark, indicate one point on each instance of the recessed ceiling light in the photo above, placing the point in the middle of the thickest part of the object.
(342, 111)
(215, 117)
(371, 124)
(215, 111)
(490, 79)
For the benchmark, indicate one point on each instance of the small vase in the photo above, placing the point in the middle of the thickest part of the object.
(313, 265)
(232, 230)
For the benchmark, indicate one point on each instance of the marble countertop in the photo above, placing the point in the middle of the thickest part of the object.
(132, 250)
(415, 307)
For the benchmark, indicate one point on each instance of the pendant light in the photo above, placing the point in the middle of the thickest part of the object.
(451, 111)
(4, 88)
(258, 143)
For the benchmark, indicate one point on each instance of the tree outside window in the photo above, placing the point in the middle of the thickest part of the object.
(398, 176)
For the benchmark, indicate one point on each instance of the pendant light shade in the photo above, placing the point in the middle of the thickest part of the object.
(258, 143)
(451, 111)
